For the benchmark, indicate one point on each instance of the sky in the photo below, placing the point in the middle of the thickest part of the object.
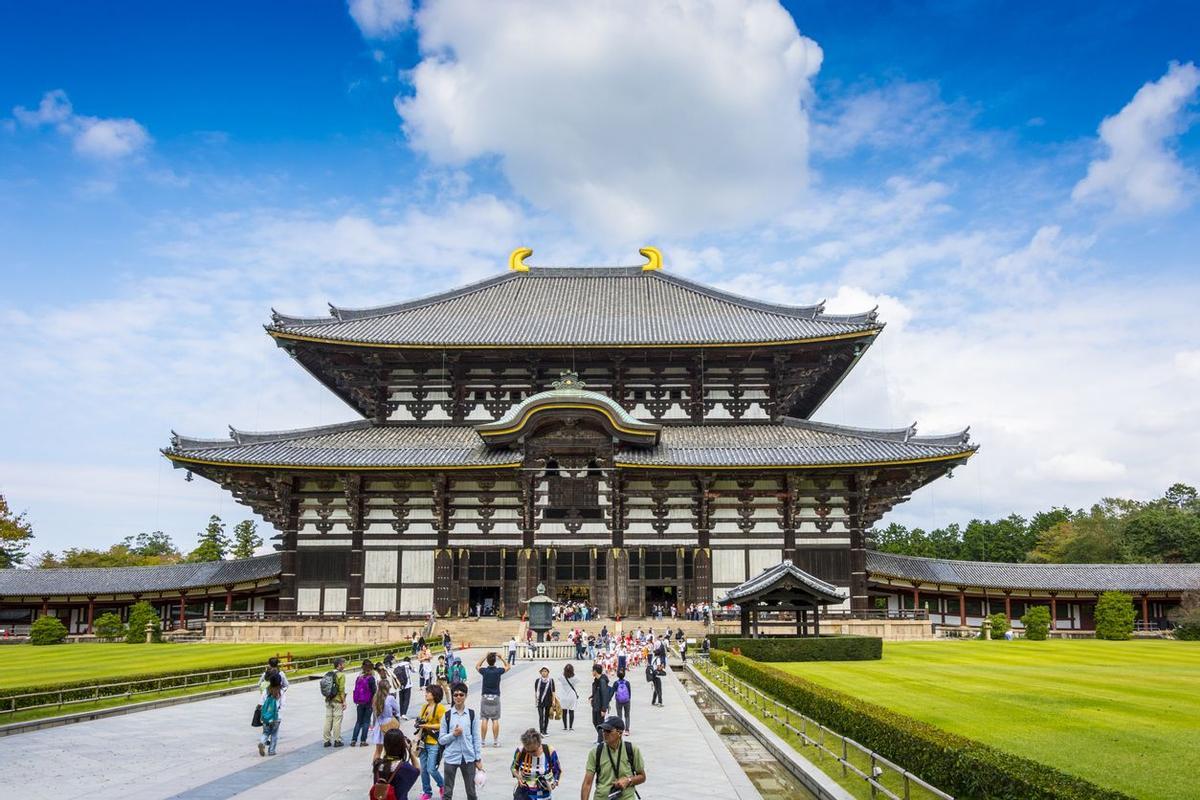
(1014, 185)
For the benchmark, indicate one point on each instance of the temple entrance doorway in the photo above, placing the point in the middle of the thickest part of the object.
(664, 595)
(484, 600)
(574, 593)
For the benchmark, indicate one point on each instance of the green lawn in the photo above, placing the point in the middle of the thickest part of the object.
(1125, 715)
(44, 667)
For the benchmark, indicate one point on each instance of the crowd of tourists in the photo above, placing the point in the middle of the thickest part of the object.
(575, 611)
(695, 612)
(443, 748)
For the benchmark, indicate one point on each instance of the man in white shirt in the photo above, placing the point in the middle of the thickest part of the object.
(461, 743)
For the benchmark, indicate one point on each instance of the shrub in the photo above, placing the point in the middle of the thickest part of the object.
(999, 625)
(1114, 616)
(109, 626)
(1187, 626)
(47, 630)
(1037, 623)
(800, 648)
(955, 764)
(140, 614)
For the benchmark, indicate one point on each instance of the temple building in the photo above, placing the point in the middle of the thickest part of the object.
(619, 434)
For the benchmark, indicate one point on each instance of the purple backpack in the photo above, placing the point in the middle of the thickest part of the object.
(362, 690)
(622, 693)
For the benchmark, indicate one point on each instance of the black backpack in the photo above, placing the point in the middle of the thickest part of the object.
(446, 725)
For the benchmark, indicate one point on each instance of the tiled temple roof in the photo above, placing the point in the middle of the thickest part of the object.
(1058, 577)
(577, 306)
(363, 444)
(137, 580)
(781, 575)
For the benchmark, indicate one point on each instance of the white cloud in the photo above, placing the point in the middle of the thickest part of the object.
(1080, 468)
(897, 116)
(1140, 173)
(379, 19)
(633, 119)
(93, 137)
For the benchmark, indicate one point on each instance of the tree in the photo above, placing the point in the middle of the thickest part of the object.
(1186, 618)
(153, 545)
(15, 533)
(144, 550)
(214, 544)
(109, 626)
(1114, 616)
(999, 625)
(47, 630)
(140, 614)
(1037, 623)
(245, 539)
(1007, 540)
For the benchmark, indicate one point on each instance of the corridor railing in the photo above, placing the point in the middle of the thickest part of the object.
(875, 770)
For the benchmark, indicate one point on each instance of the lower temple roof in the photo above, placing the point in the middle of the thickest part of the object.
(365, 445)
(137, 580)
(1051, 577)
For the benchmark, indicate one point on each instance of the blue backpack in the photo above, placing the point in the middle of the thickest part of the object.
(270, 709)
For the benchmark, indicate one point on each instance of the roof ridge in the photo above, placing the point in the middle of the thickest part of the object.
(1097, 565)
(907, 435)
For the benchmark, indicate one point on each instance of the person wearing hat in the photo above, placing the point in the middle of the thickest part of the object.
(614, 767)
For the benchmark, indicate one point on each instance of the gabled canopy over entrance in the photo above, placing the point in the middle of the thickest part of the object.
(784, 587)
(569, 397)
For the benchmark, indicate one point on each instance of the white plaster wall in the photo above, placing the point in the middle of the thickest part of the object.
(729, 566)
(416, 601)
(335, 600)
(308, 600)
(380, 566)
(417, 568)
(379, 599)
(763, 559)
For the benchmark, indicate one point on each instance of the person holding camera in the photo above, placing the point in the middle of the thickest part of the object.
(535, 766)
(614, 767)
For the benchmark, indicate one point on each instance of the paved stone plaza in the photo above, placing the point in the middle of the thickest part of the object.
(206, 750)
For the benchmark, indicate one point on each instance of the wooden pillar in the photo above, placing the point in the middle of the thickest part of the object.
(916, 599)
(816, 619)
(183, 609)
(745, 614)
(91, 613)
(1053, 611)
(1145, 611)
(962, 608)
(228, 599)
(1008, 606)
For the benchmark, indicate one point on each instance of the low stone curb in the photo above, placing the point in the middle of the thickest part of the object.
(14, 728)
(809, 774)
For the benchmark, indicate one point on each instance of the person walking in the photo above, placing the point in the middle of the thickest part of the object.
(654, 677)
(457, 671)
(443, 677)
(273, 664)
(615, 767)
(683, 650)
(385, 712)
(512, 650)
(569, 697)
(598, 699)
(543, 696)
(429, 723)
(461, 743)
(405, 677)
(622, 692)
(398, 767)
(271, 714)
(489, 703)
(536, 767)
(364, 694)
(446, 643)
(333, 689)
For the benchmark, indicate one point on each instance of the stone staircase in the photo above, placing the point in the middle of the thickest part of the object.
(492, 631)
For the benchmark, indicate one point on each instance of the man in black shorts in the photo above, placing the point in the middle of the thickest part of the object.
(489, 703)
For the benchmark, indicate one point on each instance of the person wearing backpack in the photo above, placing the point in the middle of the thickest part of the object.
(406, 677)
(364, 693)
(654, 678)
(272, 712)
(614, 767)
(543, 696)
(536, 767)
(396, 773)
(457, 672)
(333, 689)
(462, 743)
(623, 694)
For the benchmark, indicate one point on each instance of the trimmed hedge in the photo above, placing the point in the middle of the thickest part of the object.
(116, 685)
(47, 630)
(800, 648)
(963, 767)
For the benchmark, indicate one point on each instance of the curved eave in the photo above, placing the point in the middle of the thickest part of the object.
(630, 430)
(284, 336)
(188, 461)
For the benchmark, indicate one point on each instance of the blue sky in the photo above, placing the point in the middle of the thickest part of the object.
(1014, 186)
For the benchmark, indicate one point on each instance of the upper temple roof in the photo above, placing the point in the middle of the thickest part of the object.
(577, 306)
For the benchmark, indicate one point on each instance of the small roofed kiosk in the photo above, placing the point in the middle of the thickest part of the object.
(620, 435)
(787, 588)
